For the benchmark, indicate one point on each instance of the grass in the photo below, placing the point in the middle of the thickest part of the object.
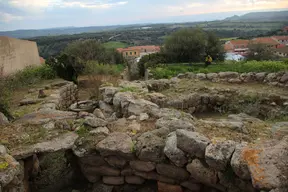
(171, 70)
(24, 78)
(92, 67)
(114, 45)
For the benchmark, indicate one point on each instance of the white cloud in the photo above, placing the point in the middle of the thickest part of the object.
(39, 5)
(96, 5)
(6, 17)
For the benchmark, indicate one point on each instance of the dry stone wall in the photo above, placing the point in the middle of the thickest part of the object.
(279, 79)
(174, 155)
(63, 96)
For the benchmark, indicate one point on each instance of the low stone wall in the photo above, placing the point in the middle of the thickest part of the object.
(64, 95)
(275, 79)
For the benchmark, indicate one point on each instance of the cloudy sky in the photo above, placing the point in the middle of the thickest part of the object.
(37, 14)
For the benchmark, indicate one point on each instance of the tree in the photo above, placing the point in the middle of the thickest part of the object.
(192, 45)
(214, 47)
(87, 50)
(259, 52)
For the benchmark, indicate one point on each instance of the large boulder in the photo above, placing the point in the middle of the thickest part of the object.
(192, 142)
(218, 154)
(116, 144)
(169, 112)
(61, 142)
(173, 124)
(158, 85)
(239, 164)
(106, 109)
(138, 106)
(95, 122)
(122, 99)
(173, 152)
(108, 93)
(149, 147)
(202, 173)
(268, 164)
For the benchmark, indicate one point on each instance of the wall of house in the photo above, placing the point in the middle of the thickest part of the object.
(16, 54)
(131, 53)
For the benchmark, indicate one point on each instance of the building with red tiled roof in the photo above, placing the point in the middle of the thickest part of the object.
(285, 29)
(237, 46)
(269, 41)
(282, 52)
(138, 51)
(281, 39)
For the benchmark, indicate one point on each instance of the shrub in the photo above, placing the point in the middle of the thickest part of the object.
(93, 67)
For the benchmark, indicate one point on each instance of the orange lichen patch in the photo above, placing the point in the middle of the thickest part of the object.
(251, 156)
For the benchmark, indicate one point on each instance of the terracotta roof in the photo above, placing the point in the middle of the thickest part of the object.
(265, 40)
(148, 48)
(228, 47)
(281, 37)
(239, 42)
(282, 50)
(285, 28)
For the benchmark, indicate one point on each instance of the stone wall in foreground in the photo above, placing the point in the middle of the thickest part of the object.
(173, 154)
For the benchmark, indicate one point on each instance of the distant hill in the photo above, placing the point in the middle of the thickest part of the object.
(261, 16)
(57, 31)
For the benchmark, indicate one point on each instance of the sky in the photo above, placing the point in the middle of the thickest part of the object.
(39, 14)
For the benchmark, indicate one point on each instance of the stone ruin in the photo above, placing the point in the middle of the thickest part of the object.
(130, 143)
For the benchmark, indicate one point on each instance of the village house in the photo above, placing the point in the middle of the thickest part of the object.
(268, 41)
(285, 29)
(138, 51)
(281, 39)
(16, 54)
(237, 46)
(282, 52)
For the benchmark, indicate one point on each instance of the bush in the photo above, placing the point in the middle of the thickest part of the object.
(30, 75)
(94, 68)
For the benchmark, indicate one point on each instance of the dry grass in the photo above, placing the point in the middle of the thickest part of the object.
(89, 85)
(257, 131)
(14, 135)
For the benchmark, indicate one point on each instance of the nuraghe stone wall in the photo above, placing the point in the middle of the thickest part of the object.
(276, 79)
(172, 154)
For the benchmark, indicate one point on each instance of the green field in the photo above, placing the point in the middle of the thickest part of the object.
(115, 45)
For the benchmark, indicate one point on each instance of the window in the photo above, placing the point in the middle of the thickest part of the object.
(130, 53)
(145, 50)
(126, 53)
(135, 53)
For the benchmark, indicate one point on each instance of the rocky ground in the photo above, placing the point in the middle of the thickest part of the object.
(141, 131)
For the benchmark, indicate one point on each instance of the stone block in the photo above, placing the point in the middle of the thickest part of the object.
(173, 172)
(143, 166)
(136, 180)
(113, 180)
